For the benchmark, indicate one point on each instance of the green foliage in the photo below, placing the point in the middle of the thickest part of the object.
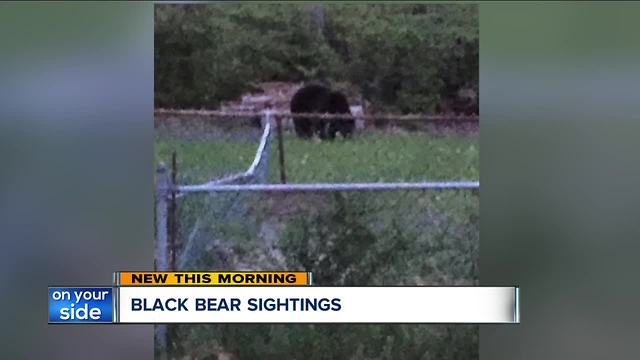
(331, 341)
(384, 238)
(402, 57)
(402, 237)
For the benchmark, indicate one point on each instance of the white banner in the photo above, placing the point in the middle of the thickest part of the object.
(249, 304)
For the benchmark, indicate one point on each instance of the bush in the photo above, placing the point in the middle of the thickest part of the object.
(404, 58)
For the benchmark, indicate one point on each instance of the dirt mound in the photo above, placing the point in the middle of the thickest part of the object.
(270, 94)
(277, 95)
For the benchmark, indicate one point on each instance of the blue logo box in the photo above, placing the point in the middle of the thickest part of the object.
(80, 305)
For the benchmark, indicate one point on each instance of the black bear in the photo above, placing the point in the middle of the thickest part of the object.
(316, 98)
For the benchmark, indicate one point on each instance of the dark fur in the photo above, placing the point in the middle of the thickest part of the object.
(315, 98)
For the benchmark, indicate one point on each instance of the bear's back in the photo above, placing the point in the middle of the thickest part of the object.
(310, 98)
(338, 103)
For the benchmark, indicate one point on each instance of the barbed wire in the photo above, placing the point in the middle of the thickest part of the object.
(244, 114)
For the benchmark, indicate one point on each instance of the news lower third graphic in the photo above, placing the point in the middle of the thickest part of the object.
(274, 297)
(81, 305)
(266, 278)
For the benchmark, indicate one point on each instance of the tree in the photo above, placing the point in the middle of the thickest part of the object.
(407, 57)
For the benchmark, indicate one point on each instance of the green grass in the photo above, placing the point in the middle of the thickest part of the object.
(199, 161)
(374, 157)
(379, 158)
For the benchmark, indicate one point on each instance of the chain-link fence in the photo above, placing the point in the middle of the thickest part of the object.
(395, 204)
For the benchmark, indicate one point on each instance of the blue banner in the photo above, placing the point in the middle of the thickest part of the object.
(81, 305)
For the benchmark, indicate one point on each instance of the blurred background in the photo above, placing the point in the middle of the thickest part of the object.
(559, 174)
(558, 171)
(76, 136)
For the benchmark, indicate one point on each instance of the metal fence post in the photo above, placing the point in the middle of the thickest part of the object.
(173, 209)
(163, 192)
(283, 174)
(163, 189)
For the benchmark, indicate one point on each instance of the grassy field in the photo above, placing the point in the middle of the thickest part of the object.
(199, 161)
(367, 158)
(380, 158)
(397, 237)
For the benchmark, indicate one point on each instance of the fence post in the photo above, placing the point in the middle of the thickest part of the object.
(173, 220)
(283, 175)
(163, 189)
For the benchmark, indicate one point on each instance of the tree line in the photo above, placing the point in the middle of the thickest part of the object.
(398, 57)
